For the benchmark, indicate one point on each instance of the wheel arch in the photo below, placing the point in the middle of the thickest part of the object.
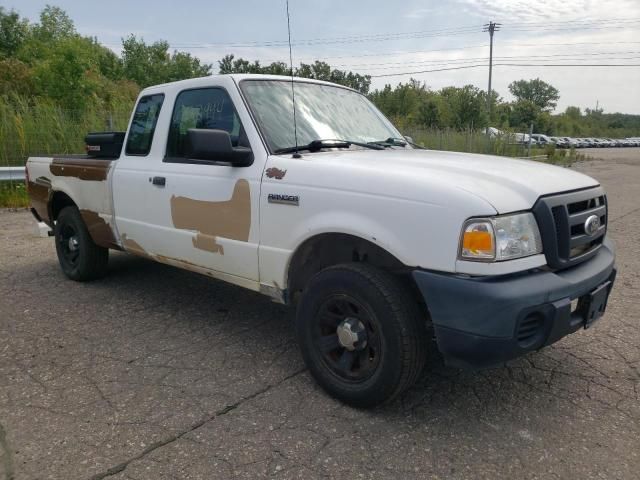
(326, 249)
(57, 201)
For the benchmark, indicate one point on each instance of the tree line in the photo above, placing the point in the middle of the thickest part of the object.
(49, 61)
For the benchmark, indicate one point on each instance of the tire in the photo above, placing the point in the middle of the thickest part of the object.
(80, 259)
(361, 333)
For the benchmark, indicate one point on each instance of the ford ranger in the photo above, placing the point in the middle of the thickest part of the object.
(317, 201)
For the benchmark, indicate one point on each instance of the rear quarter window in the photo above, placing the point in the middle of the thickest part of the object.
(143, 124)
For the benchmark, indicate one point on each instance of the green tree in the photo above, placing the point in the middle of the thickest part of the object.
(152, 64)
(318, 70)
(573, 112)
(467, 106)
(429, 113)
(405, 103)
(523, 113)
(323, 71)
(54, 24)
(541, 94)
(229, 64)
(15, 78)
(13, 31)
(69, 74)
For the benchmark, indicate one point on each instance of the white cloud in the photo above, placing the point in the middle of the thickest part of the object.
(420, 13)
(541, 10)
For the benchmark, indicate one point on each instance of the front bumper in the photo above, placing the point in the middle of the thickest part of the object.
(484, 321)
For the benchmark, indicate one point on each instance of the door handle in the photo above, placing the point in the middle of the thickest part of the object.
(159, 181)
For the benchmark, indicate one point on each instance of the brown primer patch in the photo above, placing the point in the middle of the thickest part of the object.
(131, 246)
(204, 242)
(226, 219)
(100, 231)
(39, 192)
(276, 173)
(82, 168)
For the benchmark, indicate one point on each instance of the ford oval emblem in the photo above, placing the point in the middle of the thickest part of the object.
(592, 225)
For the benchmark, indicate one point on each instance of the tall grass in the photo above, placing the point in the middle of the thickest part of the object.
(30, 127)
(13, 195)
(471, 141)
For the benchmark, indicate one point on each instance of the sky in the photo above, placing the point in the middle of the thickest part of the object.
(379, 37)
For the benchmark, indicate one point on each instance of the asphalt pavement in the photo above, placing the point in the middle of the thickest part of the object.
(158, 373)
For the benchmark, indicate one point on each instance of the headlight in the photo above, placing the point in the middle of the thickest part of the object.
(500, 238)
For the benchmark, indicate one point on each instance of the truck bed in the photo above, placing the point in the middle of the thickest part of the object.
(54, 182)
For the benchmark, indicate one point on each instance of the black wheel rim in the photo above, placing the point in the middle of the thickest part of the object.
(69, 244)
(355, 360)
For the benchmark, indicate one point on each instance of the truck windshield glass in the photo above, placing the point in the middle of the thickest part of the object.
(322, 111)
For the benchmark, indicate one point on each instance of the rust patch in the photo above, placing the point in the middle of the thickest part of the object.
(39, 193)
(131, 246)
(276, 173)
(210, 220)
(176, 262)
(82, 168)
(100, 231)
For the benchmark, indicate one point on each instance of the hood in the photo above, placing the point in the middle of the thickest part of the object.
(507, 184)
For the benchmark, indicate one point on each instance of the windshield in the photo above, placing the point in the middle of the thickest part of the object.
(322, 112)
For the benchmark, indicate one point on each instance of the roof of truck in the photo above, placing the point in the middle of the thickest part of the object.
(237, 78)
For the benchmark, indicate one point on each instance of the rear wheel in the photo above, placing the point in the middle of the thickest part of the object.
(361, 334)
(79, 257)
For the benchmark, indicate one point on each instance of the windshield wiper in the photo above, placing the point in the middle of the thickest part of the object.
(317, 145)
(397, 142)
(390, 142)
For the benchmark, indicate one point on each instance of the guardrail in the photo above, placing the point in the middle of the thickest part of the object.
(11, 173)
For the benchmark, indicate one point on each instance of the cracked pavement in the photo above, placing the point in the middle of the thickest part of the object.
(157, 373)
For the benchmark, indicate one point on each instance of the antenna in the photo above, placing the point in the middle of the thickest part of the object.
(293, 92)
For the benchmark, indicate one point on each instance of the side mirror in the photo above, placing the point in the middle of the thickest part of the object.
(215, 146)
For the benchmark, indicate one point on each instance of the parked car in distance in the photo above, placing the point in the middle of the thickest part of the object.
(541, 139)
(378, 246)
(570, 142)
(559, 142)
(521, 139)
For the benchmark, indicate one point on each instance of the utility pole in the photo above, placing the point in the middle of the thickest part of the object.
(490, 27)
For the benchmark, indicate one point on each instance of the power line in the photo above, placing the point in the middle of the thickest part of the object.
(467, 47)
(510, 65)
(341, 40)
(328, 41)
(442, 61)
(577, 22)
(463, 30)
(467, 62)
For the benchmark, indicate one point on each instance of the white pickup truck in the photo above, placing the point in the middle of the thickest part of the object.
(377, 243)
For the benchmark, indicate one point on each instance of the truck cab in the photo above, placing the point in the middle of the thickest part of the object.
(322, 204)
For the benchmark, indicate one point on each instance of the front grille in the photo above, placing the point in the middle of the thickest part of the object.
(562, 220)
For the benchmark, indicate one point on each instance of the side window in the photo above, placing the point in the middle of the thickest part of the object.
(143, 124)
(209, 108)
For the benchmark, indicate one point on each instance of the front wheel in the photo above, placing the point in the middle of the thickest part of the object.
(361, 334)
(80, 258)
